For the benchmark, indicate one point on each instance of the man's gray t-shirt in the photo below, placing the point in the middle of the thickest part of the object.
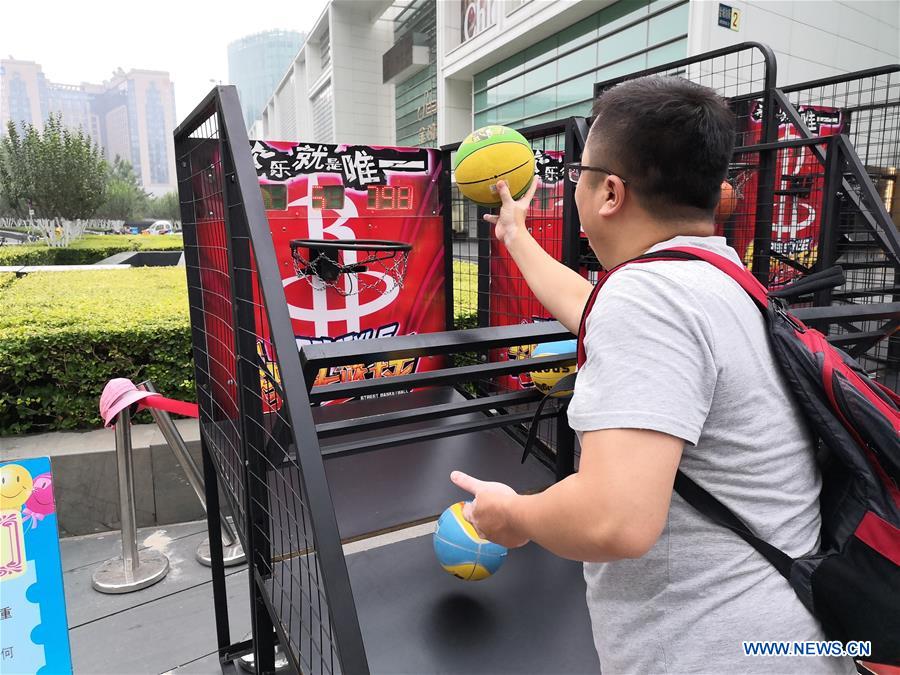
(680, 348)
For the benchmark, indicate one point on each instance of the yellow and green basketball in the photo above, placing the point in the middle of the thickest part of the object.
(490, 154)
(460, 550)
(544, 380)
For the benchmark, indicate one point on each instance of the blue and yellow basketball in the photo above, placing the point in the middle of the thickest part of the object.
(490, 154)
(545, 379)
(461, 551)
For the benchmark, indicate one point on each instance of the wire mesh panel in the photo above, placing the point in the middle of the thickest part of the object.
(859, 221)
(254, 410)
(745, 75)
(871, 101)
(488, 287)
(792, 207)
(209, 287)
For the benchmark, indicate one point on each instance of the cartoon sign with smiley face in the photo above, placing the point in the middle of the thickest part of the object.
(33, 626)
(16, 485)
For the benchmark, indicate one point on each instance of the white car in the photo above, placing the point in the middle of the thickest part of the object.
(160, 227)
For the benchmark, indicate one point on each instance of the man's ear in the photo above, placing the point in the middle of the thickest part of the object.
(611, 194)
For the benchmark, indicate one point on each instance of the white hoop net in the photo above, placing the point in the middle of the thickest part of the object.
(374, 269)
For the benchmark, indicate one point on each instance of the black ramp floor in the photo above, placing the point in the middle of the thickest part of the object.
(390, 487)
(530, 617)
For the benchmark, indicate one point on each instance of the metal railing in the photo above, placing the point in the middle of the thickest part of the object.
(139, 568)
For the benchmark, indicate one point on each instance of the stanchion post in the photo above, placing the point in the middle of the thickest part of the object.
(232, 551)
(132, 571)
(125, 473)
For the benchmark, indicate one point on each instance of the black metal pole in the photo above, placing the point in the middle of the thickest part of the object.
(484, 269)
(829, 225)
(257, 525)
(575, 139)
(765, 189)
(445, 200)
(214, 527)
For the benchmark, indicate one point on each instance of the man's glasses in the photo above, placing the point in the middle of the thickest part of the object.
(575, 169)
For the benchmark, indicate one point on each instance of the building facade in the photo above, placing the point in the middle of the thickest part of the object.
(332, 92)
(131, 116)
(256, 63)
(449, 66)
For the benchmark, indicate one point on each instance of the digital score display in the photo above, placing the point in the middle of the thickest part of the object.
(380, 197)
(390, 198)
(328, 197)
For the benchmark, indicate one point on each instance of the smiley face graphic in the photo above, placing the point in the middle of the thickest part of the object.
(15, 487)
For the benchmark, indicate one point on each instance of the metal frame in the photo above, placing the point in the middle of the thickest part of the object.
(248, 236)
(252, 273)
(767, 150)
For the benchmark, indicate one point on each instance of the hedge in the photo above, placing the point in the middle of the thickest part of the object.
(87, 250)
(6, 279)
(63, 335)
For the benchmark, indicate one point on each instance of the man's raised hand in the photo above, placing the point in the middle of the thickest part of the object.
(511, 219)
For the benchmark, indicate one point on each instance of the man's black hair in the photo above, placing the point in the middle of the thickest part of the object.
(670, 138)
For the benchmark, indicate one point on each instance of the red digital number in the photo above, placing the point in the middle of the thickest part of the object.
(387, 197)
(404, 200)
(318, 197)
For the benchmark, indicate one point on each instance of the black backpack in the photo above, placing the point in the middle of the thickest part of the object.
(852, 584)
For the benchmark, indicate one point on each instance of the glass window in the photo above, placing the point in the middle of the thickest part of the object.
(481, 100)
(624, 42)
(540, 119)
(578, 61)
(510, 111)
(575, 90)
(486, 117)
(480, 80)
(578, 110)
(582, 32)
(671, 52)
(615, 14)
(668, 25)
(540, 101)
(632, 65)
(545, 76)
(542, 51)
(511, 89)
(511, 66)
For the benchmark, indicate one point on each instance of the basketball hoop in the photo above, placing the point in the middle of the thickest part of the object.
(325, 261)
(739, 174)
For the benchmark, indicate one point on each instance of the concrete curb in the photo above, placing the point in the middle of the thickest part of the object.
(85, 482)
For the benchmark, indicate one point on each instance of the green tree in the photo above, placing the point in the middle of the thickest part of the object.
(58, 172)
(125, 198)
(165, 206)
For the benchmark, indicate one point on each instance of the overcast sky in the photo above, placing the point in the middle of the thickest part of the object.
(85, 41)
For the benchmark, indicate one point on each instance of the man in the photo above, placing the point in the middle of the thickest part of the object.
(679, 373)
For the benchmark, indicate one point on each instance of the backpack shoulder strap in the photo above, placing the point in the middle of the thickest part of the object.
(692, 493)
(739, 273)
(716, 511)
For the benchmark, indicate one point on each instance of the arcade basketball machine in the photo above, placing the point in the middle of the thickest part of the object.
(353, 435)
(333, 406)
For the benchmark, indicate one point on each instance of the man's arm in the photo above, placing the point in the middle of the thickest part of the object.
(615, 506)
(561, 290)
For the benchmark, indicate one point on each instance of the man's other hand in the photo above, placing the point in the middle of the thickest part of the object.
(491, 510)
